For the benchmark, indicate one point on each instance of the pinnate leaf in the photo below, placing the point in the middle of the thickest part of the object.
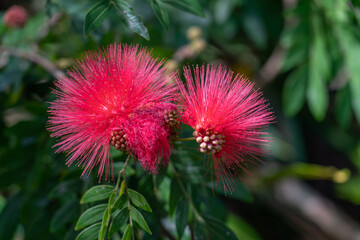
(191, 6)
(181, 216)
(139, 200)
(161, 13)
(96, 16)
(90, 233)
(133, 20)
(97, 193)
(91, 216)
(139, 219)
(127, 233)
(120, 218)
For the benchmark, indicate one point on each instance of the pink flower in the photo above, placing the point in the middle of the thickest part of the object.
(228, 117)
(15, 17)
(116, 96)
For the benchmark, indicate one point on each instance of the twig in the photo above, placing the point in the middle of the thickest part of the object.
(35, 58)
(271, 68)
(294, 194)
(52, 21)
(166, 232)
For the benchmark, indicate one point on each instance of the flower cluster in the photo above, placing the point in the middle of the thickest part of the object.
(227, 116)
(15, 17)
(118, 96)
(122, 97)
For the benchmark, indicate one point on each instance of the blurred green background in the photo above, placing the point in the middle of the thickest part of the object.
(305, 57)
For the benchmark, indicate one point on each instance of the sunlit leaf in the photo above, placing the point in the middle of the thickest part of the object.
(127, 233)
(134, 21)
(104, 224)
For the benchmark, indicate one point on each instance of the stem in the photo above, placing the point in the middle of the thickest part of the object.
(121, 172)
(185, 139)
(192, 233)
(128, 199)
(187, 196)
(110, 207)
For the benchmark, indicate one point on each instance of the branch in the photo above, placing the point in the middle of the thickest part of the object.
(35, 58)
(271, 68)
(295, 195)
(166, 232)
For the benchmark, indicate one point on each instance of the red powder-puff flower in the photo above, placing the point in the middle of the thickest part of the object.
(228, 117)
(15, 17)
(117, 96)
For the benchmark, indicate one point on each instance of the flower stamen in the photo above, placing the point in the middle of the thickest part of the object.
(209, 141)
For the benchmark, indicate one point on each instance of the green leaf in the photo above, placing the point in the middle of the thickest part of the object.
(139, 200)
(181, 216)
(199, 231)
(120, 219)
(349, 190)
(352, 55)
(216, 229)
(295, 56)
(139, 219)
(133, 20)
(9, 217)
(317, 92)
(161, 13)
(175, 195)
(96, 16)
(91, 216)
(241, 228)
(294, 91)
(104, 224)
(64, 215)
(127, 233)
(343, 106)
(90, 233)
(191, 6)
(120, 202)
(112, 198)
(240, 191)
(97, 193)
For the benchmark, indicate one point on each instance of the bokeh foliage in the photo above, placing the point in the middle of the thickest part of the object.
(313, 50)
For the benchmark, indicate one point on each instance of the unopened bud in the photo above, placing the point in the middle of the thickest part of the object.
(193, 33)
